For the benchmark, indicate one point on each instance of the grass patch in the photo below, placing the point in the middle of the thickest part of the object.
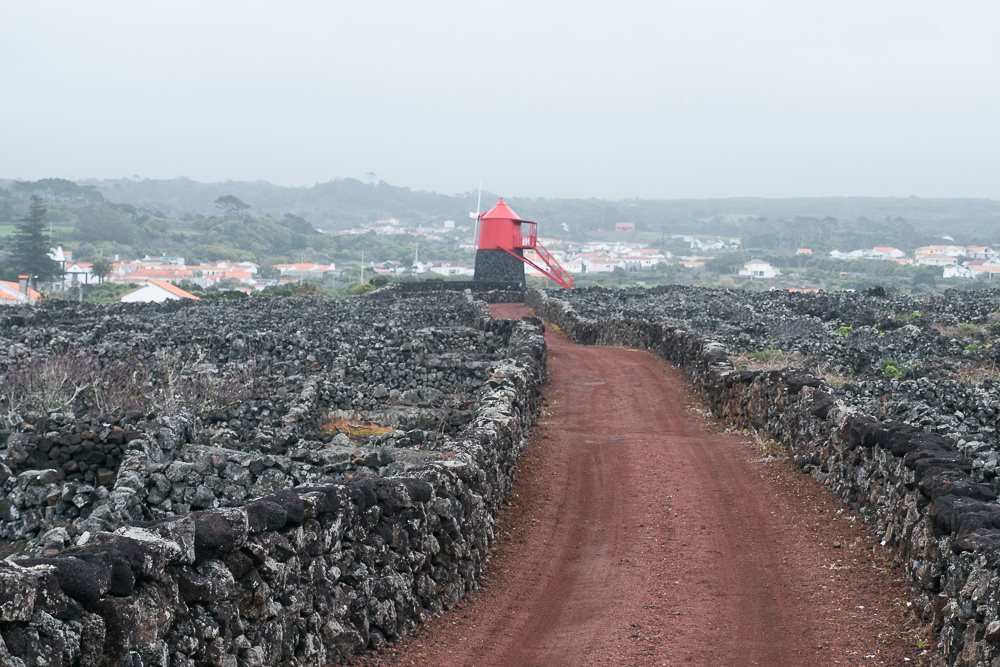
(762, 360)
(964, 330)
(772, 448)
(355, 428)
(836, 381)
(978, 373)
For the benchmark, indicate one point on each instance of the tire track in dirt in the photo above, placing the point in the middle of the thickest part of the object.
(637, 537)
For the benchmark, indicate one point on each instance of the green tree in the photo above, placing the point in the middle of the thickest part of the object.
(101, 268)
(727, 263)
(103, 222)
(297, 224)
(104, 293)
(925, 275)
(231, 205)
(31, 246)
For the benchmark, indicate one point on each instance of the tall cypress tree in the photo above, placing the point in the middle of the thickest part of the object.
(31, 247)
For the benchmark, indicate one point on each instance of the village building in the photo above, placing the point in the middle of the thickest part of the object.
(949, 250)
(883, 253)
(643, 258)
(936, 259)
(156, 291)
(959, 272)
(705, 244)
(15, 294)
(388, 268)
(886, 252)
(758, 269)
(973, 268)
(451, 269)
(307, 271)
(141, 274)
(980, 252)
(78, 273)
(598, 263)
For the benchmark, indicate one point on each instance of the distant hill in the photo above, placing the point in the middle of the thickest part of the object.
(344, 203)
(335, 205)
(348, 202)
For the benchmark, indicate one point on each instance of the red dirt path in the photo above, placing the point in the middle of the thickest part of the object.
(640, 534)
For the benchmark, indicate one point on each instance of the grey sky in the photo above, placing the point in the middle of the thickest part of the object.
(561, 98)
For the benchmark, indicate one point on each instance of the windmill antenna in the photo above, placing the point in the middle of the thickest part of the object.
(477, 215)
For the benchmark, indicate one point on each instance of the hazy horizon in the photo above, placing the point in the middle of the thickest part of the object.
(671, 100)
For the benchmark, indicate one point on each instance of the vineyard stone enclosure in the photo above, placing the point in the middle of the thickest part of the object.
(295, 481)
(259, 482)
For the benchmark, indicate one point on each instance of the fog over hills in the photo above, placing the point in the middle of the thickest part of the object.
(345, 202)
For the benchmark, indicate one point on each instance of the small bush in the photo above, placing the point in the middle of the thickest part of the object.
(891, 369)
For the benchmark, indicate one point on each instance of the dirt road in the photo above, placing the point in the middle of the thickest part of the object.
(641, 535)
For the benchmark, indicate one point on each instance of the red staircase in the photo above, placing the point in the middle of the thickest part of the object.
(555, 270)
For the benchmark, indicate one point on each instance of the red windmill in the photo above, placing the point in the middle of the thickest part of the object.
(502, 240)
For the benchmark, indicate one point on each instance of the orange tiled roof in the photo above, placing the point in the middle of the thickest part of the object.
(161, 273)
(174, 289)
(15, 287)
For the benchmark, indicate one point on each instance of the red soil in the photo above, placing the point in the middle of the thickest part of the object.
(639, 533)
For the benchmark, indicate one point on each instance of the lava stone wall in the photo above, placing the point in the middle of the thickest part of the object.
(246, 545)
(916, 486)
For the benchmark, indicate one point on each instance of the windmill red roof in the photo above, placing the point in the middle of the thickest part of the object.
(500, 211)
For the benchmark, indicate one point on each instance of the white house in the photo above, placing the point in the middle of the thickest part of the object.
(707, 244)
(887, 252)
(596, 263)
(931, 250)
(389, 267)
(643, 258)
(981, 266)
(451, 269)
(959, 272)
(306, 271)
(78, 273)
(936, 259)
(759, 269)
(980, 252)
(156, 291)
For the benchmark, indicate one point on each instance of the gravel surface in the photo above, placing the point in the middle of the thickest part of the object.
(641, 533)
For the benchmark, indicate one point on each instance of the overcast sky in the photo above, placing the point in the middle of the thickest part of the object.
(563, 98)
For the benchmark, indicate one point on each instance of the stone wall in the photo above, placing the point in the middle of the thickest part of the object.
(231, 537)
(921, 492)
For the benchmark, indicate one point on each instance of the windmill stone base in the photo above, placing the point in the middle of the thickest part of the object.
(499, 266)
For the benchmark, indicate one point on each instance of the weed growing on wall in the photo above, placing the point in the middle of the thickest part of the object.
(172, 380)
(761, 360)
